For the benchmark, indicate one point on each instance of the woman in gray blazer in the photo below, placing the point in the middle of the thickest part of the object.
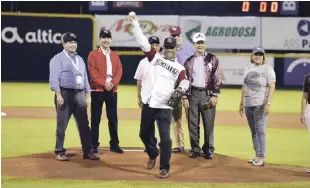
(257, 91)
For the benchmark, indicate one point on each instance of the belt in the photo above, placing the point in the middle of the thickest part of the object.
(202, 89)
(72, 90)
(199, 88)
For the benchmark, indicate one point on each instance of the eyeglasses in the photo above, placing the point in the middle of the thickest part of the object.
(175, 35)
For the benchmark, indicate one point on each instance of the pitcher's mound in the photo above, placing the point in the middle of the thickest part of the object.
(131, 166)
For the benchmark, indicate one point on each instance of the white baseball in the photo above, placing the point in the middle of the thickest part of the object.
(132, 14)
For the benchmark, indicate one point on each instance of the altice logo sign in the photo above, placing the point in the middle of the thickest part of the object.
(10, 35)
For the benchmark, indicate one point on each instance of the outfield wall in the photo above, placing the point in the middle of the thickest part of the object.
(30, 40)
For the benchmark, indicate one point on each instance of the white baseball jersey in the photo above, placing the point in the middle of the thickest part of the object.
(162, 75)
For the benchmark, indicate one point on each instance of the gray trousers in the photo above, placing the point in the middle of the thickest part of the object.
(257, 123)
(74, 103)
(196, 101)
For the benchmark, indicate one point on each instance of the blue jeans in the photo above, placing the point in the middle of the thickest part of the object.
(257, 123)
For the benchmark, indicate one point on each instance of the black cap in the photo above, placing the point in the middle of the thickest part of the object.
(68, 37)
(154, 40)
(170, 43)
(105, 34)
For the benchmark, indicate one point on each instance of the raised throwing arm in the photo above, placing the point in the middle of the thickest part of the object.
(138, 34)
(140, 37)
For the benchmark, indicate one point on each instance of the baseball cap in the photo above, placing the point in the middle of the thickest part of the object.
(175, 30)
(105, 34)
(170, 43)
(199, 37)
(67, 37)
(258, 49)
(154, 40)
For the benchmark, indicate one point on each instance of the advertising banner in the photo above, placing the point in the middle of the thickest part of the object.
(223, 32)
(29, 41)
(233, 68)
(295, 70)
(98, 5)
(128, 4)
(121, 29)
(286, 33)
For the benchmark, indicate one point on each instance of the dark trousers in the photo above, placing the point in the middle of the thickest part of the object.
(74, 103)
(196, 102)
(153, 137)
(163, 118)
(97, 100)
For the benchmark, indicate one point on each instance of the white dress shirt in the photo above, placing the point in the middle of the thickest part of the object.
(199, 77)
(109, 64)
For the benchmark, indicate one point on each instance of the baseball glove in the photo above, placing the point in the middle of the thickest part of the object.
(175, 98)
(208, 105)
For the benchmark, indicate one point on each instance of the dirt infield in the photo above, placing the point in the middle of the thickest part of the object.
(275, 120)
(131, 166)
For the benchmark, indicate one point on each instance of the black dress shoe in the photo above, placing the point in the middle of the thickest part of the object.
(208, 156)
(116, 150)
(178, 150)
(194, 154)
(90, 156)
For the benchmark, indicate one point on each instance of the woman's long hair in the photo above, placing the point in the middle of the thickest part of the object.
(252, 61)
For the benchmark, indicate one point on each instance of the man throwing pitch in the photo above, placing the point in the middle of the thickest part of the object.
(164, 73)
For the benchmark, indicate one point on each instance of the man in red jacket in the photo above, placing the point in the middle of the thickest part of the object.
(105, 70)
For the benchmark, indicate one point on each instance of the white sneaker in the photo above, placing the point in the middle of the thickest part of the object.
(252, 160)
(308, 170)
(259, 162)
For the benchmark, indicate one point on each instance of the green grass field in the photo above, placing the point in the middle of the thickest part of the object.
(40, 95)
(26, 136)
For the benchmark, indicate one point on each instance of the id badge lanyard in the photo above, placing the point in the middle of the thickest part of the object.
(76, 66)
